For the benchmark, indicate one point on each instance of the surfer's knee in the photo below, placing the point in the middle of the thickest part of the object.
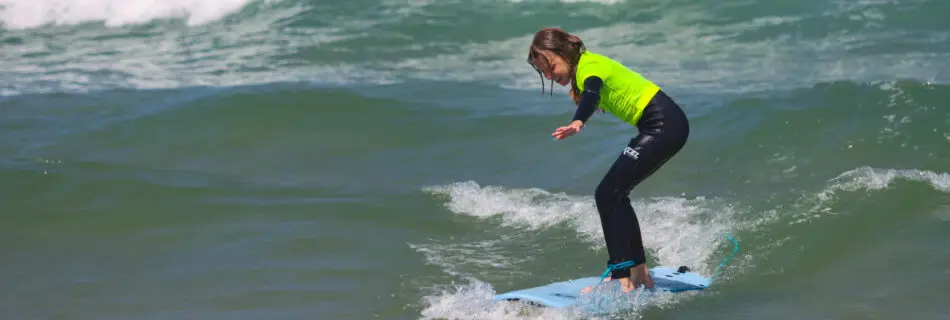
(607, 194)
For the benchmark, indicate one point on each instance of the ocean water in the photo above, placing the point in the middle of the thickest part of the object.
(378, 159)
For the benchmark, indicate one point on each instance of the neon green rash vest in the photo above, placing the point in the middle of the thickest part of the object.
(625, 93)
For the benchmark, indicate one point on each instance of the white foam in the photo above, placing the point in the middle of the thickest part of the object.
(402, 9)
(533, 208)
(868, 178)
(474, 301)
(21, 14)
(453, 258)
(678, 231)
(678, 51)
(241, 55)
(675, 52)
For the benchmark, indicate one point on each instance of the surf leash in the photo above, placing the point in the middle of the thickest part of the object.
(618, 266)
(628, 264)
(735, 248)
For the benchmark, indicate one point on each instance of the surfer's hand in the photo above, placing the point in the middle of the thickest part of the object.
(568, 130)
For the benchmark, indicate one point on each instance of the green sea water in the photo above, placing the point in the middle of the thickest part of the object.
(393, 160)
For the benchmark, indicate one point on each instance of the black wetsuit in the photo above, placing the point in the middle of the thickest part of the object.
(663, 130)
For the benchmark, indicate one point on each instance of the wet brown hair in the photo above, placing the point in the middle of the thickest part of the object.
(560, 42)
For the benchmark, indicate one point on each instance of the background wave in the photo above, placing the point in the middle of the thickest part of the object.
(382, 159)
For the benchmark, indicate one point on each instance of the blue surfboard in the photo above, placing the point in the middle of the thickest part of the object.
(566, 294)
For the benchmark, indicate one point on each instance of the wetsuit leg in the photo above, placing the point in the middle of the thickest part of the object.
(664, 130)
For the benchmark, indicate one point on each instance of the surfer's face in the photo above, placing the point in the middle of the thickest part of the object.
(553, 67)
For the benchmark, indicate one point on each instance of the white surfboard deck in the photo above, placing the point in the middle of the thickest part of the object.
(566, 293)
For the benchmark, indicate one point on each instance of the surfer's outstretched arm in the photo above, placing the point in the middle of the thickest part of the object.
(586, 105)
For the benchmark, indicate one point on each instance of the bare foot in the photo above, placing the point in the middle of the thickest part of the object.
(641, 276)
(638, 277)
(626, 284)
(589, 288)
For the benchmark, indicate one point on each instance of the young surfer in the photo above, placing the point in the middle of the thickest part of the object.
(599, 81)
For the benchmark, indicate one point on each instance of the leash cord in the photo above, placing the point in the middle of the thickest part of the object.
(735, 248)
